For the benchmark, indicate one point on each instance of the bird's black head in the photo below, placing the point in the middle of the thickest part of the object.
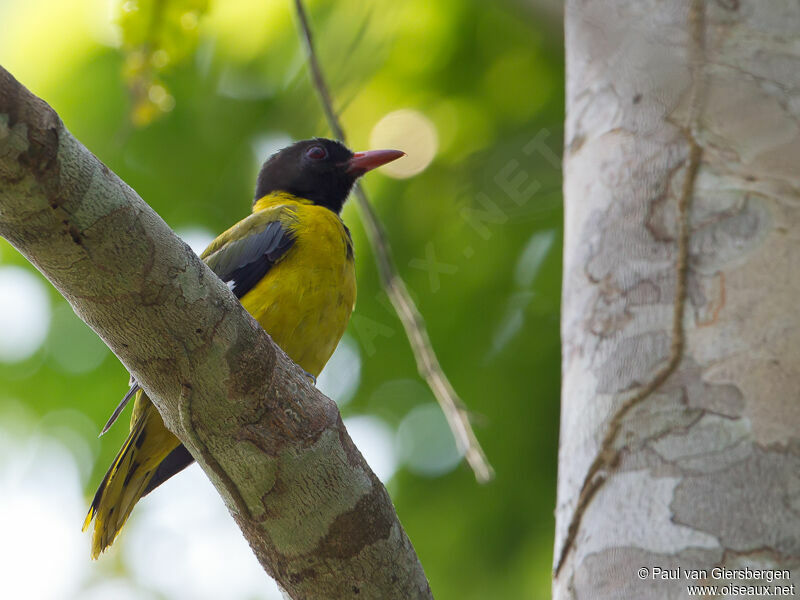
(319, 170)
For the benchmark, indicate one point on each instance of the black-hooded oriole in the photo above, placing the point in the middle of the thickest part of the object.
(290, 263)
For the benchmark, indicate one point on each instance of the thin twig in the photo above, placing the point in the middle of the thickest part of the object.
(428, 365)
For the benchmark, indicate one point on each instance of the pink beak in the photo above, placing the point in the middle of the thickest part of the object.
(361, 162)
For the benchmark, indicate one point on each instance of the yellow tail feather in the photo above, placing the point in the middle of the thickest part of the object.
(147, 445)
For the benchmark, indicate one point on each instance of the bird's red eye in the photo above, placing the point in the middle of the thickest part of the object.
(316, 153)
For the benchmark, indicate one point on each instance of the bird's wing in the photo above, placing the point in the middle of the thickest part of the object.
(245, 253)
(240, 257)
(176, 461)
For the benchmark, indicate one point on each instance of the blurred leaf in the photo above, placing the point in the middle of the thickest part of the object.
(157, 35)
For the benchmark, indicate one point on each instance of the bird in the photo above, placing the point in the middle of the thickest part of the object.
(290, 263)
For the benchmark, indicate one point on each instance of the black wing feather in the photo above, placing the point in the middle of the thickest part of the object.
(176, 461)
(243, 262)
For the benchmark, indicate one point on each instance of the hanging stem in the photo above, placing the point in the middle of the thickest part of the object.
(428, 365)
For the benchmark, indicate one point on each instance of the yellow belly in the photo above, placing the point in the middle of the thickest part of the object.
(305, 301)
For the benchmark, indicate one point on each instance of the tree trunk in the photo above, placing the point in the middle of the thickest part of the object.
(680, 430)
(275, 448)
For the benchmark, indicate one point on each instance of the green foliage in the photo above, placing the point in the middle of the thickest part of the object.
(157, 35)
(486, 213)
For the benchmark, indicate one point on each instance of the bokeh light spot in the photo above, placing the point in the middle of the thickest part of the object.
(425, 443)
(189, 20)
(24, 313)
(198, 238)
(78, 433)
(116, 589)
(182, 543)
(340, 378)
(527, 268)
(267, 144)
(72, 345)
(413, 133)
(395, 398)
(532, 256)
(375, 440)
(41, 508)
(159, 60)
(511, 323)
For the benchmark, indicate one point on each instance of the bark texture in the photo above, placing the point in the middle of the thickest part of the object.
(316, 516)
(680, 432)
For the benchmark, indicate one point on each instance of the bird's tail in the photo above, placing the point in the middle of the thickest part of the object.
(127, 478)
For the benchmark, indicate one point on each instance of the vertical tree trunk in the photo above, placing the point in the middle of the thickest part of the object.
(680, 433)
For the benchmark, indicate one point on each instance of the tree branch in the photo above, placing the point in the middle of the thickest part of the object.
(275, 448)
(428, 365)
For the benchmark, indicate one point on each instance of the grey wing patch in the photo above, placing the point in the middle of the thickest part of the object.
(121, 406)
(242, 263)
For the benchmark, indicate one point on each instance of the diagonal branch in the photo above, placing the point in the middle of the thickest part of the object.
(317, 518)
(455, 411)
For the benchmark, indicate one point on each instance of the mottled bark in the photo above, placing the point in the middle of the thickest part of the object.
(680, 434)
(275, 448)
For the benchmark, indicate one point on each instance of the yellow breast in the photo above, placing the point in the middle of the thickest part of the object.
(304, 302)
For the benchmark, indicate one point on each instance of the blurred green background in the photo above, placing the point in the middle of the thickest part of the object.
(184, 99)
